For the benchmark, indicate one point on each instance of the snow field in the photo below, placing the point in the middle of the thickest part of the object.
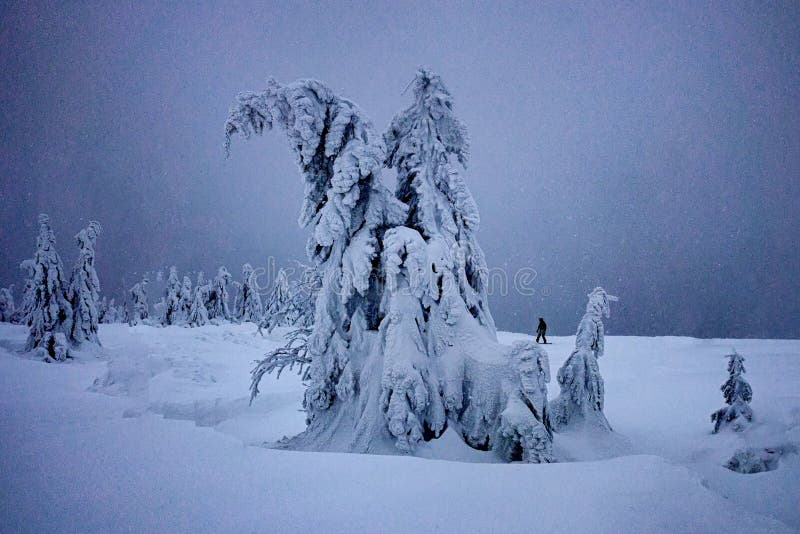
(153, 432)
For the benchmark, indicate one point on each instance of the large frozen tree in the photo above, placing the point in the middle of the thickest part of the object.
(84, 288)
(403, 344)
(738, 394)
(50, 316)
(582, 395)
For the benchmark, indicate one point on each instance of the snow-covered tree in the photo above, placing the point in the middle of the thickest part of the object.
(22, 314)
(160, 308)
(198, 313)
(421, 143)
(292, 302)
(102, 310)
(403, 344)
(173, 308)
(278, 308)
(217, 303)
(84, 288)
(108, 311)
(248, 301)
(304, 296)
(187, 296)
(582, 389)
(51, 314)
(738, 394)
(7, 309)
(139, 308)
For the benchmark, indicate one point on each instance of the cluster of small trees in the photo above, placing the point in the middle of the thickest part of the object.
(61, 312)
(223, 299)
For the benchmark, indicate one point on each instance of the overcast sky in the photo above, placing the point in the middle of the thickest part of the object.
(652, 150)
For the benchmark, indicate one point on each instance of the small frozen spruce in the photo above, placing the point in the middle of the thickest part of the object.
(738, 394)
(137, 296)
(50, 313)
(247, 307)
(582, 389)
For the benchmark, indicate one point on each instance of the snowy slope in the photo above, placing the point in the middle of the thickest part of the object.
(154, 433)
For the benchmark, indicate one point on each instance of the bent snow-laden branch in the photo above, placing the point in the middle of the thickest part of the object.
(294, 353)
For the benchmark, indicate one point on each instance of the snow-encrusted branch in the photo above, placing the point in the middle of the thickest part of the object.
(294, 353)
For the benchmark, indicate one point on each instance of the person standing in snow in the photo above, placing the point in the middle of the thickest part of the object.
(541, 330)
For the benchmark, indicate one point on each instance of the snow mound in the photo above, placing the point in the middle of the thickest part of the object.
(757, 460)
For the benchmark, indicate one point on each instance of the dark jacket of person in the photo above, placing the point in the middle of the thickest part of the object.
(542, 328)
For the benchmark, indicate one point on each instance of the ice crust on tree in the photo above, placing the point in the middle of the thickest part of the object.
(738, 394)
(50, 316)
(248, 303)
(84, 288)
(403, 345)
(7, 309)
(580, 402)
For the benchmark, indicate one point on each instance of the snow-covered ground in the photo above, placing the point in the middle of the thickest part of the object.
(154, 433)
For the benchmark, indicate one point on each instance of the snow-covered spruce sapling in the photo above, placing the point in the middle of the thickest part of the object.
(198, 313)
(582, 390)
(278, 307)
(403, 345)
(50, 317)
(173, 306)
(7, 309)
(304, 293)
(738, 394)
(108, 311)
(217, 303)
(84, 288)
(248, 302)
(186, 297)
(102, 310)
(23, 311)
(139, 308)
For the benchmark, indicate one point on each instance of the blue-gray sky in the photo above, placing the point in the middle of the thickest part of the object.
(650, 148)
